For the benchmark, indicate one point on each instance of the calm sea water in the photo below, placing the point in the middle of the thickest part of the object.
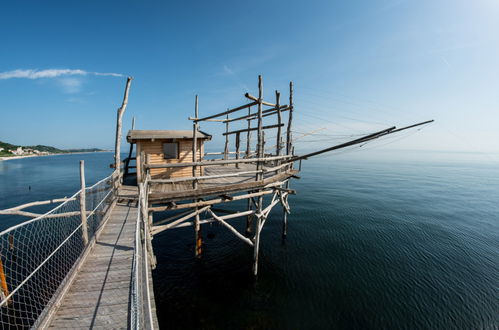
(371, 244)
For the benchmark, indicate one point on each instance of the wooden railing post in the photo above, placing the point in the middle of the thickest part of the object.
(83, 207)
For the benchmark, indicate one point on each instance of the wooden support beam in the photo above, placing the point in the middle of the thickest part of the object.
(254, 98)
(278, 142)
(238, 143)
(232, 229)
(227, 112)
(248, 137)
(249, 219)
(83, 204)
(217, 162)
(289, 141)
(208, 202)
(194, 145)
(157, 223)
(256, 239)
(253, 129)
(161, 228)
(226, 148)
(265, 113)
(260, 127)
(121, 111)
(210, 220)
(204, 177)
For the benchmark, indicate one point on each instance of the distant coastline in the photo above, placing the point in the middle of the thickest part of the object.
(2, 158)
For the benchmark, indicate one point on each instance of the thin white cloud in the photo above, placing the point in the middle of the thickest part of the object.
(71, 85)
(51, 73)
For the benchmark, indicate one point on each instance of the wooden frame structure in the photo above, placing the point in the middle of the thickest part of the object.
(250, 175)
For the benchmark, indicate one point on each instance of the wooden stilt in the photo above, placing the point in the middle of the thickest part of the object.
(238, 142)
(197, 227)
(256, 240)
(249, 218)
(285, 215)
(199, 238)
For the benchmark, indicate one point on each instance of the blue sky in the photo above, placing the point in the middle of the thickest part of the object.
(357, 66)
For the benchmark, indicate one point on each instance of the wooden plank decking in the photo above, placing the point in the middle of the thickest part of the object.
(99, 295)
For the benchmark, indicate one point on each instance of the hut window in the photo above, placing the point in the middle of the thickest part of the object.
(170, 150)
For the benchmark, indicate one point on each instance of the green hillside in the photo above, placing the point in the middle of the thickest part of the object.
(7, 146)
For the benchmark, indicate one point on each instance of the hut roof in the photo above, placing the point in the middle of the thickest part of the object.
(134, 135)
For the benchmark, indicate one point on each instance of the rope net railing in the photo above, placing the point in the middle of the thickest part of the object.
(37, 257)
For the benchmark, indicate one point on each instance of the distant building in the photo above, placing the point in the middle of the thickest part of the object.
(18, 152)
(1, 149)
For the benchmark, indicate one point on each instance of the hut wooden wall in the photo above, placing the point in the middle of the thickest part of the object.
(155, 150)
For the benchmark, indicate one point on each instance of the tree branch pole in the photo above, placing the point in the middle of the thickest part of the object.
(289, 141)
(256, 240)
(248, 136)
(197, 226)
(260, 126)
(226, 149)
(83, 204)
(121, 111)
(277, 102)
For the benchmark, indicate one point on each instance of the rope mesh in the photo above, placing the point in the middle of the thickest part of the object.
(38, 256)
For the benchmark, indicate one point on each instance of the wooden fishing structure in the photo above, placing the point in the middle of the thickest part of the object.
(177, 175)
(88, 261)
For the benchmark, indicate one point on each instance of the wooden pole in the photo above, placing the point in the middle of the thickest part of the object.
(277, 101)
(256, 239)
(289, 137)
(121, 111)
(285, 215)
(249, 218)
(248, 136)
(226, 149)
(83, 207)
(260, 125)
(197, 226)
(194, 146)
(3, 283)
(238, 142)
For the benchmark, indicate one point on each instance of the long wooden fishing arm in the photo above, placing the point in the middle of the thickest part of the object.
(363, 139)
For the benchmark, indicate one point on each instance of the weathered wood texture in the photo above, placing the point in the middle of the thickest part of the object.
(99, 296)
(155, 150)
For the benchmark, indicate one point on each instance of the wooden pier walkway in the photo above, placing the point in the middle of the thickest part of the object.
(99, 295)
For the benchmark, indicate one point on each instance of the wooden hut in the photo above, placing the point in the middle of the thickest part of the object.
(167, 147)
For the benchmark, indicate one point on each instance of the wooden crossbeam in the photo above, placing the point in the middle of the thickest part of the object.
(254, 115)
(252, 129)
(254, 98)
(226, 112)
(216, 162)
(232, 229)
(209, 202)
(161, 228)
